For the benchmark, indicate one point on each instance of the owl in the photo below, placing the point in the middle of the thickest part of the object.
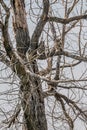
(58, 45)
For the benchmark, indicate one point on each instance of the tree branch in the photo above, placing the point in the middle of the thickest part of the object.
(46, 71)
(67, 116)
(13, 118)
(65, 53)
(4, 5)
(69, 101)
(1, 25)
(3, 59)
(40, 25)
(68, 65)
(68, 20)
(72, 7)
(6, 42)
(52, 82)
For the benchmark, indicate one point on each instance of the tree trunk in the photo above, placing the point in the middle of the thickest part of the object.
(31, 89)
(33, 106)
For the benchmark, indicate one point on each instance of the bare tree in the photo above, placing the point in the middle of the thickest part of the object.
(47, 66)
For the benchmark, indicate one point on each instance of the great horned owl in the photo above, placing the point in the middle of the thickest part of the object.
(58, 45)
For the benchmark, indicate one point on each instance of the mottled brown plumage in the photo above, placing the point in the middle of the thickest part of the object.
(58, 45)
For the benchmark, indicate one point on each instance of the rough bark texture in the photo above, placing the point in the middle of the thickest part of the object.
(33, 106)
(20, 27)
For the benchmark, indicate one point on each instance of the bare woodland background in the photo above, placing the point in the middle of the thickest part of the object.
(43, 64)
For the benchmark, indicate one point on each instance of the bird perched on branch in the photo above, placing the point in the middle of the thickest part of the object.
(58, 45)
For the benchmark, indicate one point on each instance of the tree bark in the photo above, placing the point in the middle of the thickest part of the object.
(33, 105)
(20, 27)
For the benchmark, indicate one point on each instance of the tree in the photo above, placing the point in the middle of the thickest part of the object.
(45, 62)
